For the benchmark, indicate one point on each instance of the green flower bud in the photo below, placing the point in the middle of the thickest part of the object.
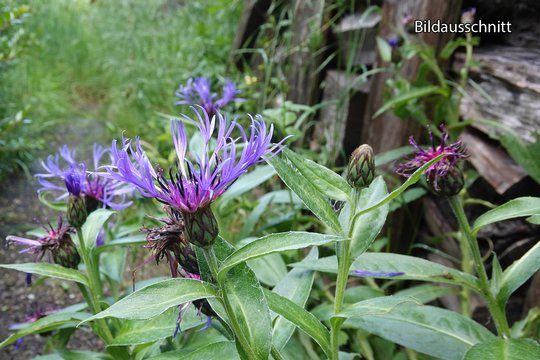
(65, 253)
(201, 227)
(446, 185)
(361, 168)
(76, 212)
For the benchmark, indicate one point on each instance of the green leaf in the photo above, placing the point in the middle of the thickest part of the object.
(94, 223)
(414, 93)
(123, 241)
(306, 191)
(269, 269)
(518, 273)
(295, 286)
(505, 349)
(414, 268)
(74, 355)
(135, 332)
(246, 183)
(55, 205)
(524, 154)
(385, 50)
(426, 293)
(222, 350)
(156, 298)
(427, 329)
(46, 324)
(523, 206)
(275, 243)
(50, 270)
(325, 180)
(301, 318)
(248, 311)
(368, 225)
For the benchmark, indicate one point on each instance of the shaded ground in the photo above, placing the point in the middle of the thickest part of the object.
(22, 211)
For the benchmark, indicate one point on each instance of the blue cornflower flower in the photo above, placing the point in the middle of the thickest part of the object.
(191, 187)
(72, 178)
(198, 92)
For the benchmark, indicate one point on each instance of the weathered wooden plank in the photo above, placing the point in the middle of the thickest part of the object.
(386, 131)
(308, 38)
(492, 163)
(337, 128)
(510, 76)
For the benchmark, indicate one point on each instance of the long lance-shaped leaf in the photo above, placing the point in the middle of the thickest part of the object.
(306, 191)
(519, 272)
(301, 318)
(523, 206)
(94, 223)
(275, 243)
(427, 329)
(154, 299)
(45, 324)
(325, 180)
(222, 350)
(505, 349)
(50, 270)
(295, 286)
(388, 266)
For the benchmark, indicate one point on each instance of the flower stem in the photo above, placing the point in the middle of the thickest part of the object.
(497, 312)
(212, 262)
(91, 297)
(343, 254)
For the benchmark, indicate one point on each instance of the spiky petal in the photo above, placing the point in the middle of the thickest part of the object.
(444, 177)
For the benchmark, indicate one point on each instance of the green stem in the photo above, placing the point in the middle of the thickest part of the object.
(276, 354)
(497, 312)
(212, 262)
(464, 73)
(89, 293)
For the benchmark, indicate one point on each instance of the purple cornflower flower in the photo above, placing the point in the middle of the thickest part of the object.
(443, 177)
(198, 92)
(393, 41)
(77, 180)
(37, 312)
(192, 186)
(56, 244)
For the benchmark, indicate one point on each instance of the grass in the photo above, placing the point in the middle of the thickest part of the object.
(115, 64)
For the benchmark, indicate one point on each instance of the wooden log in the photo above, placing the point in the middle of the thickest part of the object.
(308, 38)
(337, 129)
(386, 131)
(253, 16)
(510, 76)
(492, 163)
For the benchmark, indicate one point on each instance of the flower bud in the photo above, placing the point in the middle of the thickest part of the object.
(169, 242)
(201, 227)
(467, 16)
(449, 184)
(65, 253)
(76, 212)
(361, 168)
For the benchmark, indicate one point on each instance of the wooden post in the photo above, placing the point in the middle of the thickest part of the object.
(386, 131)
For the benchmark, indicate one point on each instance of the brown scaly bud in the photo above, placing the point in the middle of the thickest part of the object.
(361, 168)
(65, 253)
(76, 211)
(169, 242)
(447, 185)
(201, 227)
